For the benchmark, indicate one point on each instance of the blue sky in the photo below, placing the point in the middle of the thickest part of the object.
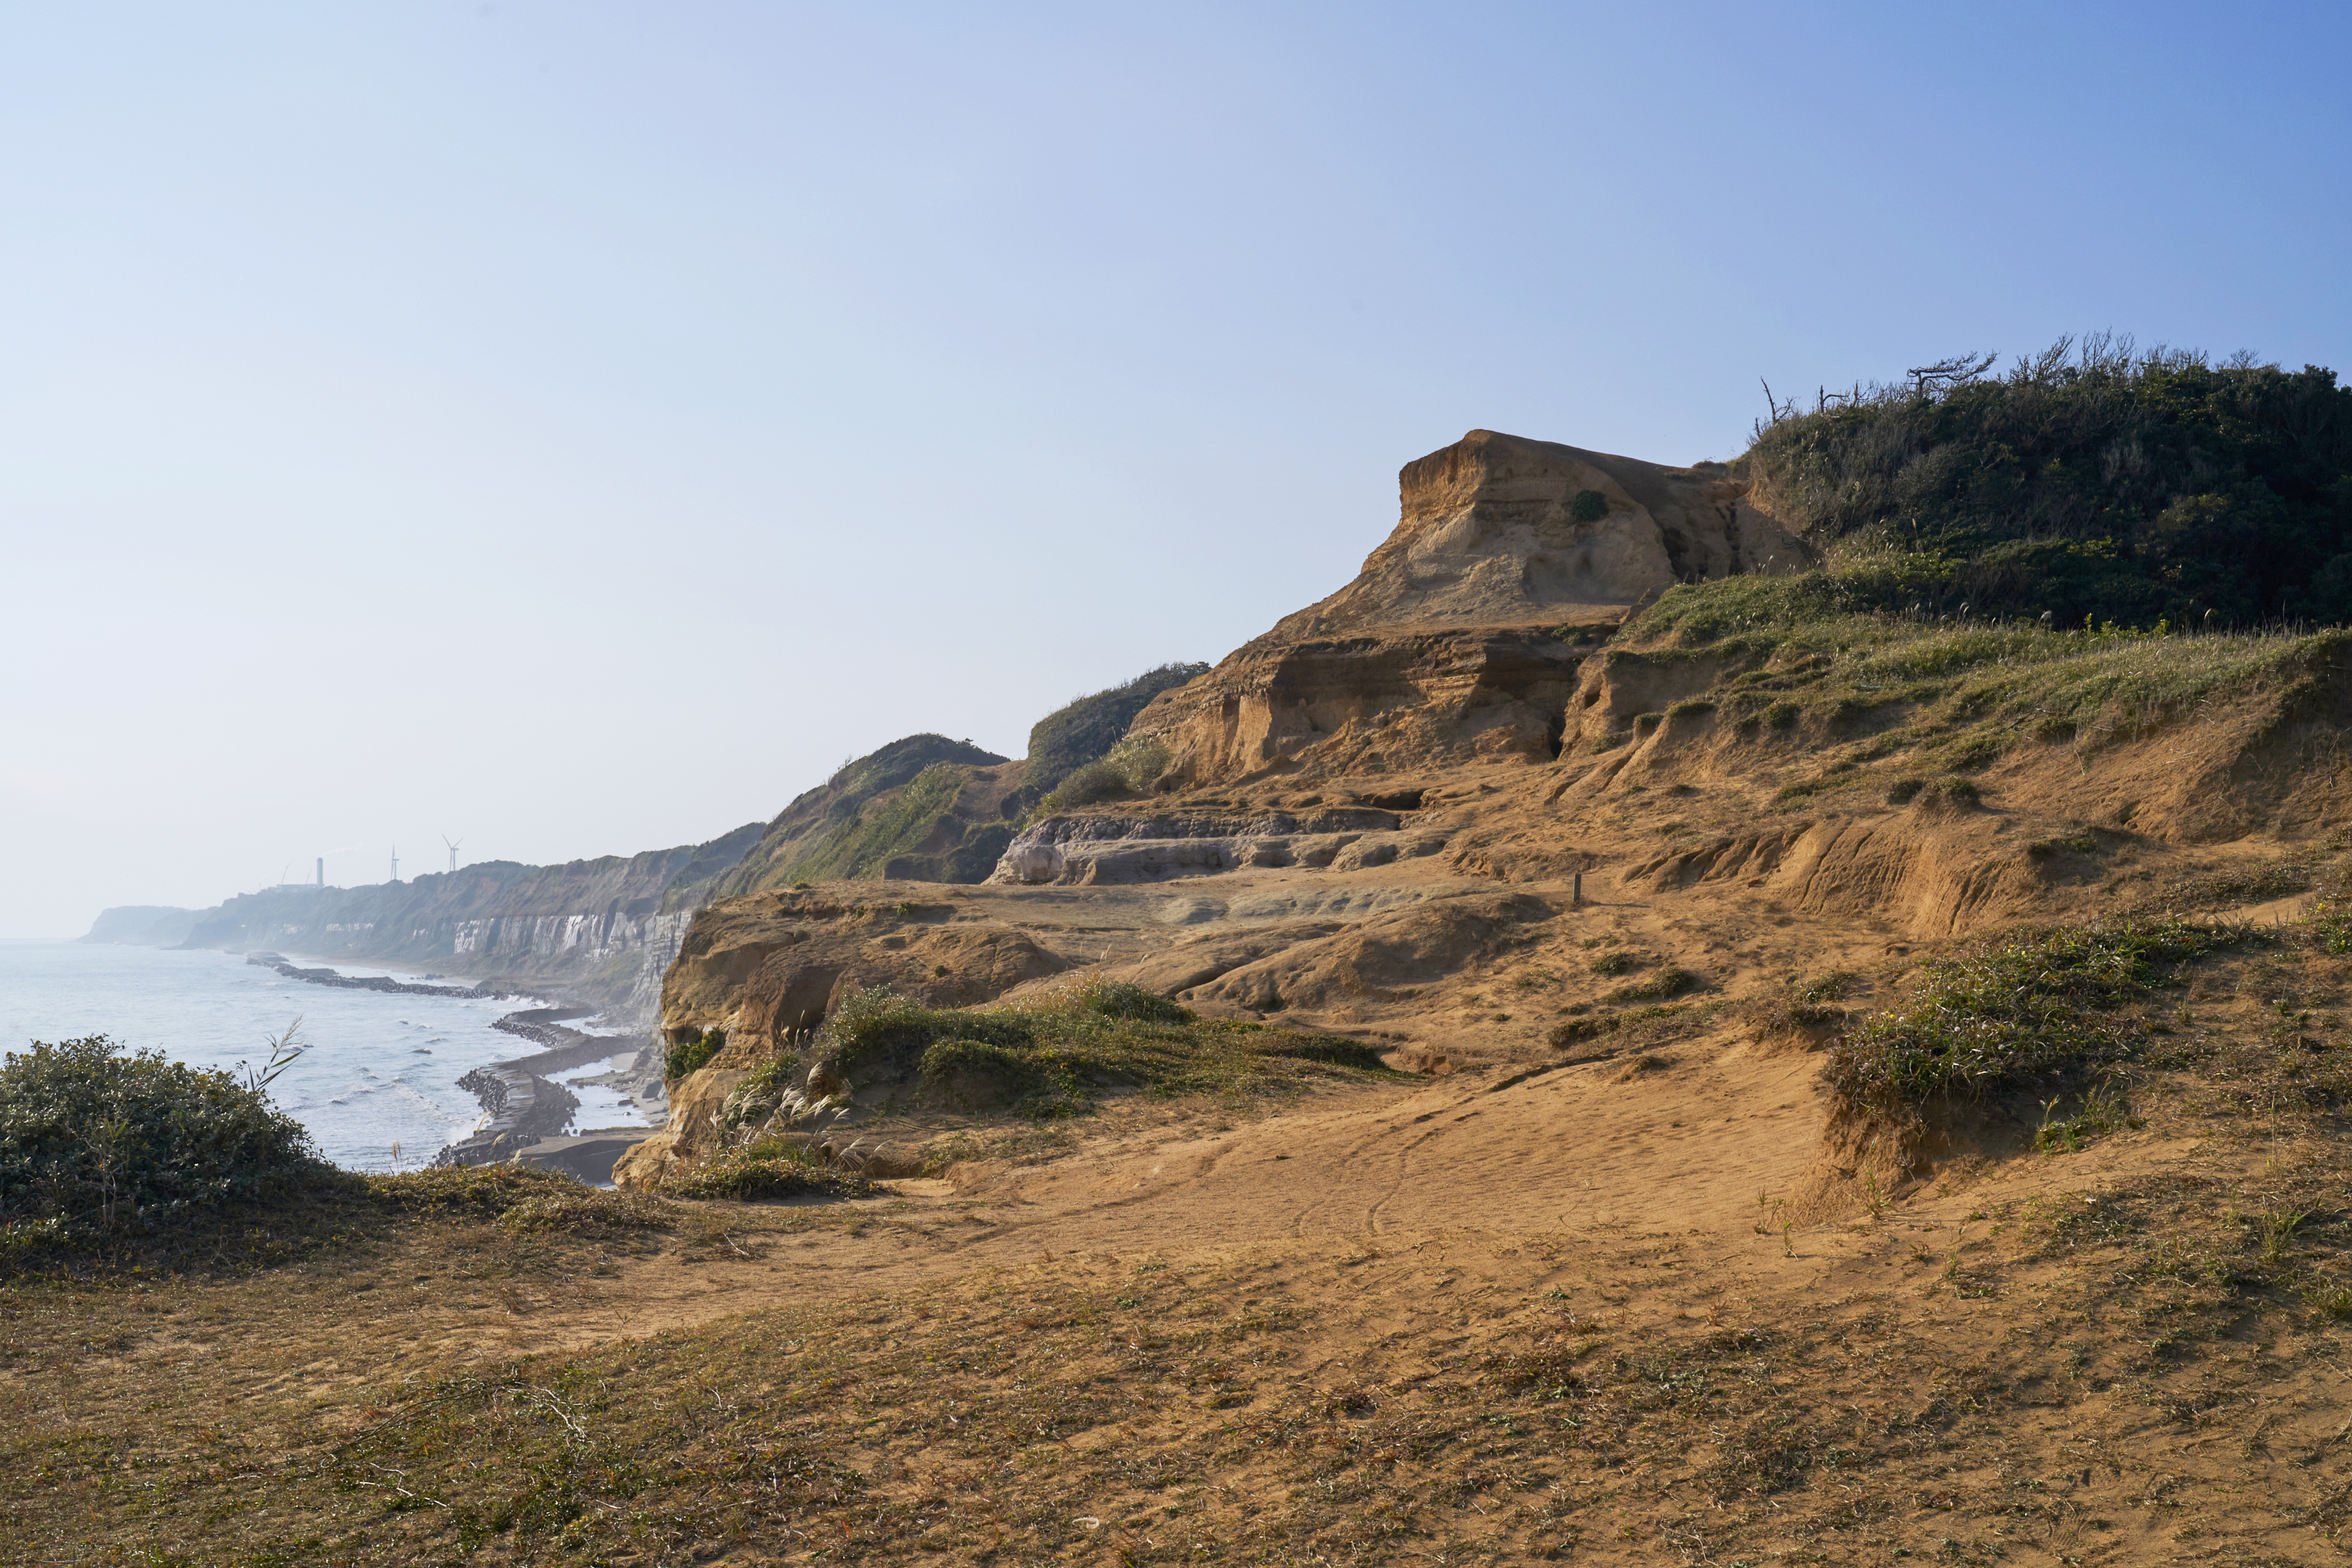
(576, 428)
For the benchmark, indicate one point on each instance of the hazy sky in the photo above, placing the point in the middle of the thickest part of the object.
(575, 428)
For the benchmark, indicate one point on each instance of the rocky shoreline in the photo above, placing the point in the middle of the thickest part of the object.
(486, 988)
(525, 1114)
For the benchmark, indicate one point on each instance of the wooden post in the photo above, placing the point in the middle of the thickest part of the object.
(1580, 890)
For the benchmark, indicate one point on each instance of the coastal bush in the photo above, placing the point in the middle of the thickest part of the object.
(93, 1138)
(2093, 481)
(466, 1192)
(1588, 507)
(2028, 1009)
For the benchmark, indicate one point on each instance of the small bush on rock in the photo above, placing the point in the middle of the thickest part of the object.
(693, 1054)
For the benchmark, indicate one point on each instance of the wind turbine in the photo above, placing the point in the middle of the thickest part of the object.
(453, 851)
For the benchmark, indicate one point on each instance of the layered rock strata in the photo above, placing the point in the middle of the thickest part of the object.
(1090, 848)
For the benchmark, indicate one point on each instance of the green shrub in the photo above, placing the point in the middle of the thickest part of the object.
(954, 1059)
(2101, 1109)
(1833, 985)
(1955, 791)
(2016, 1012)
(2331, 925)
(693, 1053)
(93, 1138)
(2090, 481)
(1783, 715)
(1577, 1032)
(580, 1210)
(1616, 963)
(1588, 507)
(1117, 999)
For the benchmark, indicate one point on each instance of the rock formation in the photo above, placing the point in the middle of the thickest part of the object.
(1498, 530)
(1460, 639)
(142, 925)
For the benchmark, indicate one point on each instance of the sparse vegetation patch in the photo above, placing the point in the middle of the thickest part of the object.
(1047, 1055)
(2023, 1009)
(767, 1168)
(1657, 987)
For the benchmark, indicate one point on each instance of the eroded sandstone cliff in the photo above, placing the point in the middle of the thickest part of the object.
(1499, 530)
(1581, 827)
(1460, 639)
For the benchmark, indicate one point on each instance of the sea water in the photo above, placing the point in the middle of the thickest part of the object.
(382, 1069)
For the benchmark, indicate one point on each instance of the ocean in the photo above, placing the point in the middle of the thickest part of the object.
(383, 1069)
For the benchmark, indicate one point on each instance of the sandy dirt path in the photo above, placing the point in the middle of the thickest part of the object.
(1560, 1151)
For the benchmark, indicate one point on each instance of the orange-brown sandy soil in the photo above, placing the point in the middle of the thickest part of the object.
(1513, 1313)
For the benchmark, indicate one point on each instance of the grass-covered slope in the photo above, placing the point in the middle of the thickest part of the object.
(1796, 679)
(921, 808)
(2089, 480)
(928, 808)
(2122, 1345)
(1087, 729)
